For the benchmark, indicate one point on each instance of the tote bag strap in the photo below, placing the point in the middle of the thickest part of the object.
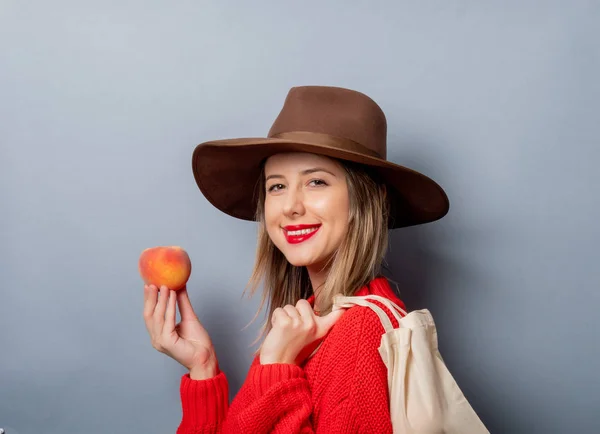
(389, 304)
(346, 302)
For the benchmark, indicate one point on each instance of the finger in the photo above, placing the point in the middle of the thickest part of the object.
(324, 323)
(150, 296)
(159, 312)
(279, 315)
(185, 305)
(291, 311)
(171, 313)
(305, 309)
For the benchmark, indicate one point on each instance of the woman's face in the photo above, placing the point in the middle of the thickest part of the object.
(306, 206)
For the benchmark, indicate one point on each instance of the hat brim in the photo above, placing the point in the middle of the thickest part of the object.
(226, 171)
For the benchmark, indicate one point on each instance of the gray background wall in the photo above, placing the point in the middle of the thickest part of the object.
(102, 103)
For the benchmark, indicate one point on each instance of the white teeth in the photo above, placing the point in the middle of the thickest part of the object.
(301, 232)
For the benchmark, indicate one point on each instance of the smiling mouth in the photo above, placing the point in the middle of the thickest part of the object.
(300, 235)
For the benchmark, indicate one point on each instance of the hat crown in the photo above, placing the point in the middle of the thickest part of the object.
(334, 111)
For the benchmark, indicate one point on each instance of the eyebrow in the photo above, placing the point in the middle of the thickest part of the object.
(305, 172)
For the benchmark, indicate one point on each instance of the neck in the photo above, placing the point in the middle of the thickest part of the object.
(317, 277)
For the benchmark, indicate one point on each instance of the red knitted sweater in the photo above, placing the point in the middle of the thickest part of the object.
(341, 389)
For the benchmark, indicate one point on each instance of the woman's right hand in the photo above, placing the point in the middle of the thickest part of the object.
(187, 342)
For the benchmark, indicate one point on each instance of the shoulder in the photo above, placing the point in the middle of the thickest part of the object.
(349, 355)
(356, 335)
(381, 288)
(359, 329)
(360, 324)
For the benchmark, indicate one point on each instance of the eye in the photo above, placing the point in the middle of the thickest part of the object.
(275, 187)
(317, 182)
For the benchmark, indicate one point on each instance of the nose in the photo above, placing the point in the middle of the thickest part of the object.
(294, 203)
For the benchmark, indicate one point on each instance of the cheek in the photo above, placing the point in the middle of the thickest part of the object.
(271, 218)
(336, 209)
(342, 216)
(269, 212)
(340, 231)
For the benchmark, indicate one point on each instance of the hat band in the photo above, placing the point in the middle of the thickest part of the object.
(327, 140)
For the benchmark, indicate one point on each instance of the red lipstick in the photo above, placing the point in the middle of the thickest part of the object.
(295, 234)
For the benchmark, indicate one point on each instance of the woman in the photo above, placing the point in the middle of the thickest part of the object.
(324, 197)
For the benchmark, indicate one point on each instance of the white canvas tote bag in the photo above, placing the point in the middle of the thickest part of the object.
(424, 397)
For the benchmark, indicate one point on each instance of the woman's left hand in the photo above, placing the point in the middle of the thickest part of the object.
(294, 329)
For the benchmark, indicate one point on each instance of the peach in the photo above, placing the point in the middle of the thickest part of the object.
(165, 265)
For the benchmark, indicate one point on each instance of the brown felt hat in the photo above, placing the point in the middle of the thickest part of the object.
(330, 121)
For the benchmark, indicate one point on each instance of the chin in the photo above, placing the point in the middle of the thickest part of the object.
(305, 261)
(298, 261)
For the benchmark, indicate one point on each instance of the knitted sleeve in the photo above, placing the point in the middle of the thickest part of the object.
(352, 396)
(204, 403)
(275, 398)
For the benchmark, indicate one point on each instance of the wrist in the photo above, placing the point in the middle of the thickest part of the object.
(204, 372)
(270, 360)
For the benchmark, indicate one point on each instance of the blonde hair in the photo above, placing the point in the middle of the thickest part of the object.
(356, 262)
